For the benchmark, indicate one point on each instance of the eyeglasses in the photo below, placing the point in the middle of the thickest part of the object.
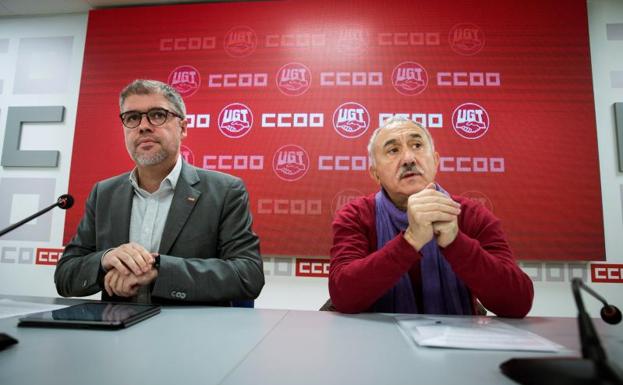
(155, 117)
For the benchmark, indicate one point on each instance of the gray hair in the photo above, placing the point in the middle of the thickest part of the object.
(394, 120)
(149, 87)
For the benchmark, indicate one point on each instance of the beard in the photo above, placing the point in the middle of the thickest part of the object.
(150, 159)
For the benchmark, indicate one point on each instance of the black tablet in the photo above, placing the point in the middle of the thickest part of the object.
(92, 315)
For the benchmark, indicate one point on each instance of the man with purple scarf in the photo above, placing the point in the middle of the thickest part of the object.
(414, 248)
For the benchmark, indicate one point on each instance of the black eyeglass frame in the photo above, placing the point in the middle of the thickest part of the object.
(146, 113)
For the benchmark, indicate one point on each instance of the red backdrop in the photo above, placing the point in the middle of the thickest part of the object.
(286, 95)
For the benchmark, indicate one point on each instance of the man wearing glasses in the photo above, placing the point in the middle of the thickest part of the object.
(166, 231)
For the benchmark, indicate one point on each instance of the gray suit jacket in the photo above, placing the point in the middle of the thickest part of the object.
(208, 251)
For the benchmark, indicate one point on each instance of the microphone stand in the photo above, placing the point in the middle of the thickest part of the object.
(592, 368)
(65, 202)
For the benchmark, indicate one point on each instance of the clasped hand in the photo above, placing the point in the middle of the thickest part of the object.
(431, 214)
(128, 267)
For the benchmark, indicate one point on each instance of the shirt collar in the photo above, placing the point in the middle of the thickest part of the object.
(170, 180)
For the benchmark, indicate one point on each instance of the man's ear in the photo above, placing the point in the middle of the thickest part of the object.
(183, 128)
(373, 174)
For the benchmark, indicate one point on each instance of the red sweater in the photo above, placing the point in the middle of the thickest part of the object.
(480, 256)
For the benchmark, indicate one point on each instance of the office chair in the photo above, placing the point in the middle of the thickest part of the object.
(328, 306)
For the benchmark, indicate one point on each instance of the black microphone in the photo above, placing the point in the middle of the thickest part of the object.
(65, 202)
(592, 368)
(609, 313)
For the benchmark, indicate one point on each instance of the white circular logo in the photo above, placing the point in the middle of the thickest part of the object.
(343, 197)
(187, 154)
(466, 39)
(409, 78)
(293, 79)
(290, 162)
(351, 120)
(185, 79)
(235, 120)
(470, 121)
(352, 40)
(240, 41)
(479, 197)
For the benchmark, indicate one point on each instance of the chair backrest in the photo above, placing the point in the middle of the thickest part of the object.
(327, 306)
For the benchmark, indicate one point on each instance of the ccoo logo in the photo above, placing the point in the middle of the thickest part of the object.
(293, 79)
(185, 79)
(235, 120)
(290, 162)
(409, 78)
(470, 121)
(240, 41)
(351, 120)
(466, 39)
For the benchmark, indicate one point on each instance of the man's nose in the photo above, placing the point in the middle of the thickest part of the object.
(408, 156)
(144, 124)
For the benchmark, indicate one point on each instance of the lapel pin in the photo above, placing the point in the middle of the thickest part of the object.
(191, 199)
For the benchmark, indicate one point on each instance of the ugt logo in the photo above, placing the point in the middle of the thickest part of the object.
(235, 120)
(185, 79)
(290, 162)
(470, 121)
(240, 41)
(479, 197)
(343, 197)
(466, 39)
(352, 40)
(187, 154)
(409, 78)
(293, 79)
(351, 120)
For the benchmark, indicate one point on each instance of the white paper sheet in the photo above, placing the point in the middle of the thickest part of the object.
(11, 308)
(482, 333)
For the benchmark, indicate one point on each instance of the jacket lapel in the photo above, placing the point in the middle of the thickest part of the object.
(120, 213)
(183, 203)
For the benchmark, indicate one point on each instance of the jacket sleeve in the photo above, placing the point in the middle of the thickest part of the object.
(237, 272)
(358, 276)
(78, 272)
(482, 258)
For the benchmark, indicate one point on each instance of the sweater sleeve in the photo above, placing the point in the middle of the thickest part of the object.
(358, 275)
(483, 260)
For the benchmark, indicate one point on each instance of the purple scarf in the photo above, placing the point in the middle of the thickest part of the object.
(442, 291)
